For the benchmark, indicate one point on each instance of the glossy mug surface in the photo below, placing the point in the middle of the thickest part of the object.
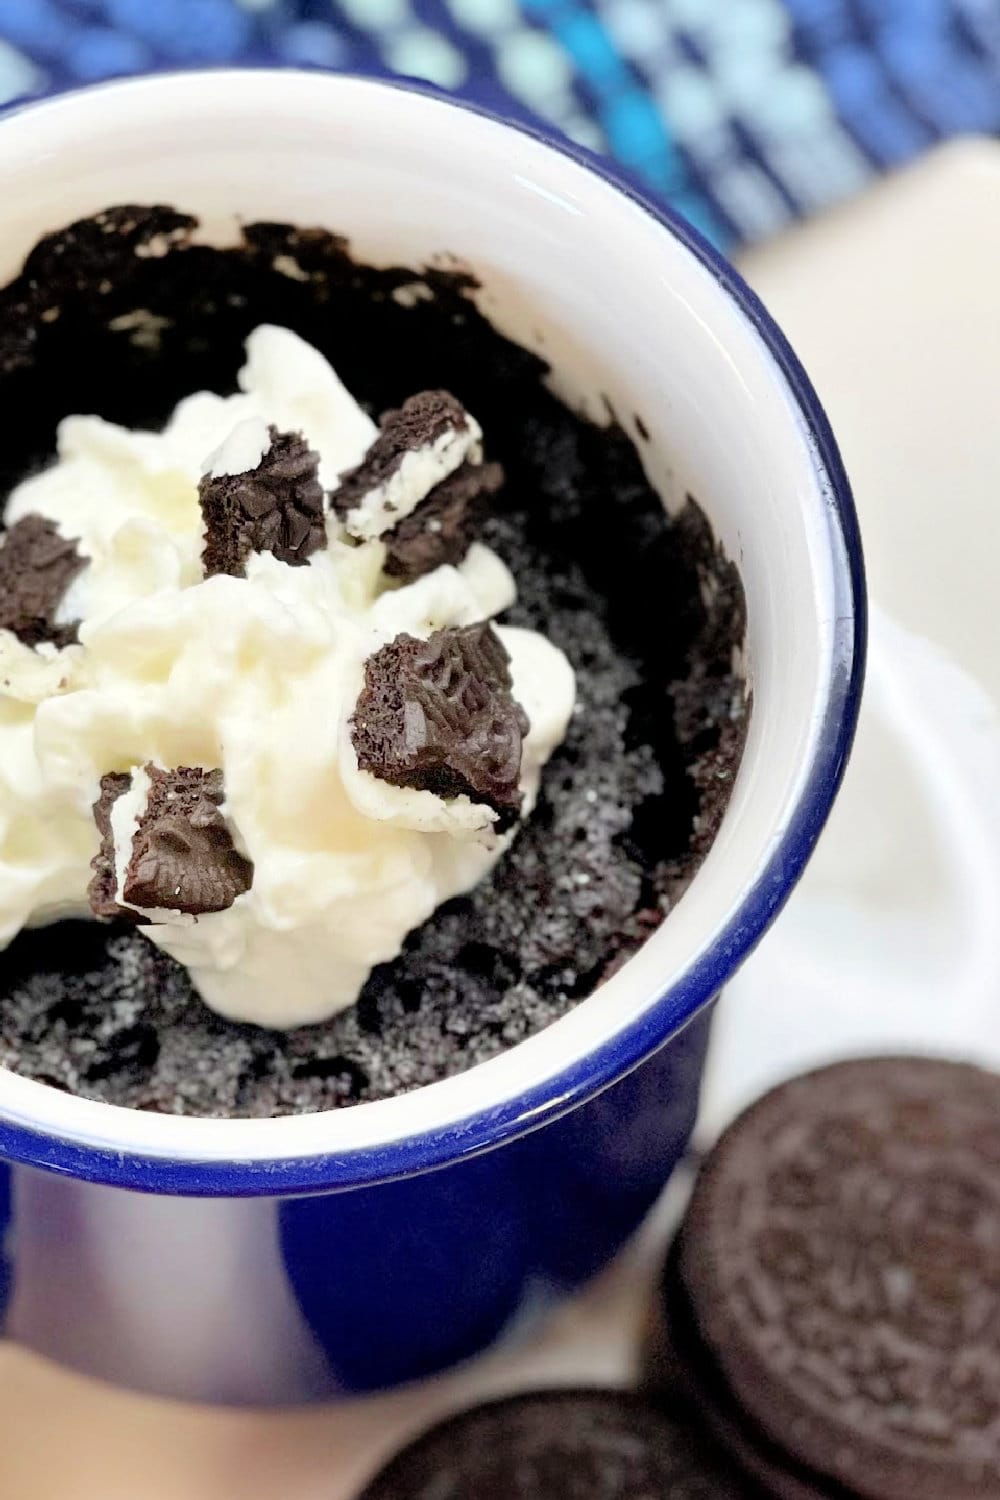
(273, 1261)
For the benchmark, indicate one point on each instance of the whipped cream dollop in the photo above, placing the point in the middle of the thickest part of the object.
(255, 673)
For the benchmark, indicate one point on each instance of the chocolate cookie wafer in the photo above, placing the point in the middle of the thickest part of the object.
(437, 715)
(277, 507)
(442, 527)
(37, 566)
(418, 445)
(833, 1300)
(560, 1445)
(179, 854)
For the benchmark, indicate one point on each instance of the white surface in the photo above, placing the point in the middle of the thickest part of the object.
(640, 320)
(837, 287)
(891, 941)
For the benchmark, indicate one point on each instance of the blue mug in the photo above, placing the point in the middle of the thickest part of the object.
(281, 1260)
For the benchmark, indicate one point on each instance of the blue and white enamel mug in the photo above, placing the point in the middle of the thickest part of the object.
(278, 1260)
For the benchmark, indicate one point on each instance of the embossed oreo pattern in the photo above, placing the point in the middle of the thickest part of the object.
(183, 857)
(438, 715)
(559, 1445)
(842, 1260)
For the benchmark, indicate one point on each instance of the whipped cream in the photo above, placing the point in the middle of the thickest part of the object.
(258, 676)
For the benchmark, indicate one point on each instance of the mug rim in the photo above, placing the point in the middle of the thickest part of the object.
(679, 1001)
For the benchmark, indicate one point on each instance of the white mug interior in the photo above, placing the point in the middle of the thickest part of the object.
(621, 309)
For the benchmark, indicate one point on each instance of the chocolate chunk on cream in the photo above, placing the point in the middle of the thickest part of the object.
(418, 445)
(165, 845)
(443, 527)
(438, 715)
(274, 505)
(37, 566)
(103, 889)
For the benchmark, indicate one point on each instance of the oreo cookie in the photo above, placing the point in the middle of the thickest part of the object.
(275, 507)
(832, 1303)
(438, 715)
(182, 856)
(560, 1445)
(37, 566)
(422, 486)
(444, 526)
(372, 494)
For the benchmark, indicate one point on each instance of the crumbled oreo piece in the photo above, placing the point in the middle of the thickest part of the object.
(417, 424)
(438, 715)
(276, 507)
(183, 857)
(443, 527)
(37, 566)
(103, 888)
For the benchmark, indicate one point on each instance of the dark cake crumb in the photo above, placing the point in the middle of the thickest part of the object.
(647, 764)
(276, 507)
(444, 526)
(37, 566)
(437, 715)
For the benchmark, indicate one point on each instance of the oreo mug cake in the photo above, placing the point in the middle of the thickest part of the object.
(431, 640)
(285, 681)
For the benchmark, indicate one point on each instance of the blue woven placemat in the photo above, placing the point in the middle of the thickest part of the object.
(746, 114)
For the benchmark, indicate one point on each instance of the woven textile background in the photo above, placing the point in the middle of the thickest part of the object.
(746, 114)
